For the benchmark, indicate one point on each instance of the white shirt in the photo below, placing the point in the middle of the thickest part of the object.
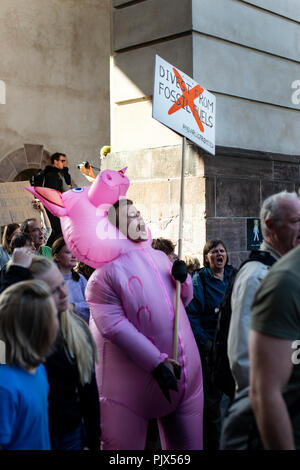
(245, 286)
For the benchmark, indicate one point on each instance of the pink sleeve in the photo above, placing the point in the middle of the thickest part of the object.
(110, 319)
(186, 292)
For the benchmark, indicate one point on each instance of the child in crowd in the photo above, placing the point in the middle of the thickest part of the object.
(76, 282)
(21, 239)
(28, 328)
(84, 269)
(18, 240)
(74, 411)
(167, 246)
(9, 231)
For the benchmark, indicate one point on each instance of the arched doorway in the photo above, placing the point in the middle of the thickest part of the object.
(26, 175)
(23, 163)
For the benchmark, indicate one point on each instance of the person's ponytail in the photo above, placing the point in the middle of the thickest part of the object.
(79, 343)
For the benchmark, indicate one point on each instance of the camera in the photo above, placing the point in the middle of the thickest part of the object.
(85, 164)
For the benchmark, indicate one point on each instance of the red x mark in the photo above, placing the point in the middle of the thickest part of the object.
(187, 98)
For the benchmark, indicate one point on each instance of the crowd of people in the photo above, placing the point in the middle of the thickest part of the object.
(88, 353)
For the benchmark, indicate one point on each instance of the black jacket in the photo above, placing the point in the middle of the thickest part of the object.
(53, 178)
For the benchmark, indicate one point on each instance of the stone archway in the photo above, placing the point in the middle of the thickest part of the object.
(23, 163)
(26, 175)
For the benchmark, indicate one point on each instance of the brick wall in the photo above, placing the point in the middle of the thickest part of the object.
(237, 183)
(221, 191)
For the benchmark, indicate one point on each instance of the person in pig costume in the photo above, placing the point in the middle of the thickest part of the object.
(131, 296)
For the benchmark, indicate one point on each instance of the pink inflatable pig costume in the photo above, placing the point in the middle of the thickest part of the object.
(131, 296)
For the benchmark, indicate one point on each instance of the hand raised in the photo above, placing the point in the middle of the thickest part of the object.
(22, 257)
(38, 205)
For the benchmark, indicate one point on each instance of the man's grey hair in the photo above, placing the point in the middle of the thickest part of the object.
(271, 209)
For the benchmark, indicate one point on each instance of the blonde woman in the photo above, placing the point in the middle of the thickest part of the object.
(28, 328)
(74, 413)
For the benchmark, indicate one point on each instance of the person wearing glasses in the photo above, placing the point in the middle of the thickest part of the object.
(56, 176)
(55, 173)
(209, 285)
(34, 229)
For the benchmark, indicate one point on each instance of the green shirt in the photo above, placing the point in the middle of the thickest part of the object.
(276, 305)
(46, 251)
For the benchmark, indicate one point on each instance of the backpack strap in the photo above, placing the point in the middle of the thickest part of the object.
(221, 373)
(264, 257)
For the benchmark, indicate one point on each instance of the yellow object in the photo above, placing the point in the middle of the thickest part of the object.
(104, 150)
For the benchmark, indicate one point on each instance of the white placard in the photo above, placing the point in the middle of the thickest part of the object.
(183, 105)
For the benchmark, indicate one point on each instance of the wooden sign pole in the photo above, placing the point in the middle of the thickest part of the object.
(178, 285)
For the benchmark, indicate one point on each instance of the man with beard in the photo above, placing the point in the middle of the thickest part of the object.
(132, 320)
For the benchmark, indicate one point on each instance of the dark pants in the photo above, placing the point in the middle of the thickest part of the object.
(71, 441)
(212, 408)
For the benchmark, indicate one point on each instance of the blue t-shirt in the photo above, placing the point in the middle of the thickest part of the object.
(24, 409)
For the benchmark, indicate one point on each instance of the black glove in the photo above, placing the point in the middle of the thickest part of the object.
(165, 380)
(179, 270)
(177, 371)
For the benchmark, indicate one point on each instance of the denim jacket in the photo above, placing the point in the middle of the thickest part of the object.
(203, 311)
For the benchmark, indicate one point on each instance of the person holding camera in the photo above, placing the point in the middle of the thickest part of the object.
(56, 176)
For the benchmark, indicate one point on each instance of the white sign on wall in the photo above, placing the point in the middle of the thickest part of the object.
(183, 105)
(2, 92)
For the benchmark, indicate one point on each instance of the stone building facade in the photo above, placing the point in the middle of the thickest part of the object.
(235, 49)
(78, 74)
(54, 63)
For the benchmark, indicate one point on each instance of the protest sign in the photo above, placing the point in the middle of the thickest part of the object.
(183, 105)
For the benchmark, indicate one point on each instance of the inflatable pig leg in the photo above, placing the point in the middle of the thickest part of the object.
(182, 429)
(124, 430)
(131, 296)
(121, 428)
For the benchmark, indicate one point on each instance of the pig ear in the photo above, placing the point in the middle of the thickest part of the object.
(123, 170)
(50, 198)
